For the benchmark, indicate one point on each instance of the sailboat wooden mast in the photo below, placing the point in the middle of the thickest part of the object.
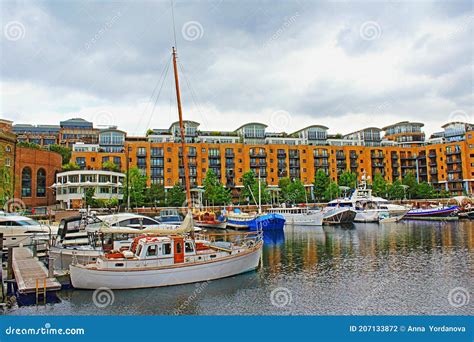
(181, 128)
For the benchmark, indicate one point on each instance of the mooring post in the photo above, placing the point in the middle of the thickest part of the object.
(50, 267)
(10, 264)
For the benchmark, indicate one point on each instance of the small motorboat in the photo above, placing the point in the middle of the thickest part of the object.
(169, 216)
(439, 212)
(209, 219)
(21, 230)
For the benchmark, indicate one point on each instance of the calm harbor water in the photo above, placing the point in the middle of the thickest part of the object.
(369, 269)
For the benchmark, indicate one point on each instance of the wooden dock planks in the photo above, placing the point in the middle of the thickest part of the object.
(28, 270)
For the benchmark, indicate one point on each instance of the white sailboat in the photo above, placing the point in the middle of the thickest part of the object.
(176, 258)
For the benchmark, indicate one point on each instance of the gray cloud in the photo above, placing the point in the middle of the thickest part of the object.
(312, 59)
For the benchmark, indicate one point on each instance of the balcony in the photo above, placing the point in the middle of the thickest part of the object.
(230, 154)
(432, 155)
(261, 154)
(395, 174)
(321, 155)
(229, 163)
(379, 165)
(281, 154)
(376, 156)
(395, 165)
(434, 172)
(214, 156)
(354, 164)
(450, 153)
(294, 156)
(340, 156)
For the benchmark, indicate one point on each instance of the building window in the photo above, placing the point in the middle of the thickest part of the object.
(7, 162)
(41, 183)
(26, 182)
(8, 149)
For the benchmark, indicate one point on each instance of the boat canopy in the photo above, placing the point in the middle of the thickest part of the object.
(186, 226)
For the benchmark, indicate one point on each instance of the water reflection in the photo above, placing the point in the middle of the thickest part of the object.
(397, 268)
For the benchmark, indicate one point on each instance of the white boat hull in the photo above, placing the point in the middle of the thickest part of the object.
(367, 216)
(63, 257)
(83, 277)
(311, 219)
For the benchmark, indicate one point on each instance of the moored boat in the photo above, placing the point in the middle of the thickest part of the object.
(169, 260)
(21, 230)
(301, 216)
(339, 215)
(209, 219)
(433, 213)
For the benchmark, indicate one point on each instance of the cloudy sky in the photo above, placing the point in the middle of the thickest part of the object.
(289, 64)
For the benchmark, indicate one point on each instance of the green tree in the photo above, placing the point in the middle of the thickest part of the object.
(28, 145)
(321, 183)
(410, 181)
(379, 185)
(155, 195)
(284, 185)
(348, 178)
(250, 183)
(176, 196)
(71, 166)
(214, 192)
(332, 191)
(110, 166)
(297, 191)
(135, 187)
(65, 152)
(425, 190)
(149, 132)
(292, 191)
(89, 197)
(395, 190)
(6, 185)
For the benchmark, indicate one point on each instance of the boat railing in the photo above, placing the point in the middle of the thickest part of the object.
(241, 238)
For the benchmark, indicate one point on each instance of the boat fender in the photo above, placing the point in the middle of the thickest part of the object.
(250, 243)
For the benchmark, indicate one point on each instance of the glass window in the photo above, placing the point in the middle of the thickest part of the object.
(151, 250)
(41, 183)
(188, 247)
(26, 182)
(166, 248)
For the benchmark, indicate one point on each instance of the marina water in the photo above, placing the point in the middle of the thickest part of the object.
(406, 268)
